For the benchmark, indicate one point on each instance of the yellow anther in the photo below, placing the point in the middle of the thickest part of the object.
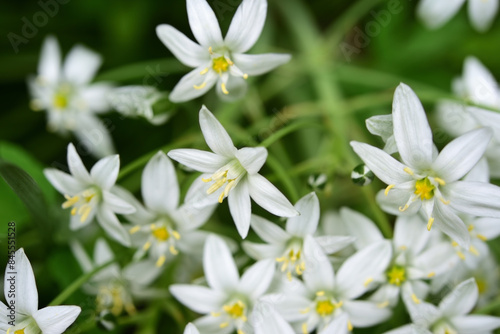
(176, 235)
(320, 293)
(146, 245)
(383, 305)
(402, 209)
(217, 184)
(245, 76)
(473, 250)
(221, 197)
(161, 261)
(73, 211)
(289, 276)
(368, 281)
(200, 86)
(284, 266)
(454, 243)
(172, 250)
(223, 87)
(210, 50)
(304, 328)
(152, 227)
(224, 324)
(431, 274)
(85, 213)
(429, 223)
(206, 180)
(408, 170)
(389, 187)
(204, 71)
(134, 229)
(461, 255)
(280, 259)
(440, 181)
(215, 314)
(339, 304)
(349, 325)
(305, 311)
(239, 331)
(70, 201)
(298, 269)
(481, 237)
(403, 247)
(229, 61)
(445, 202)
(470, 227)
(415, 299)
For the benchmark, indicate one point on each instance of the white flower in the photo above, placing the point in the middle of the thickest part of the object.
(228, 300)
(164, 228)
(325, 295)
(92, 194)
(191, 329)
(70, 100)
(436, 13)
(287, 246)
(22, 314)
(451, 314)
(216, 59)
(428, 181)
(232, 173)
(116, 288)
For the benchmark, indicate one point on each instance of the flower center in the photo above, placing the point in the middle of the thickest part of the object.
(482, 285)
(236, 310)
(161, 233)
(396, 275)
(424, 188)
(292, 260)
(19, 331)
(220, 64)
(115, 299)
(228, 175)
(324, 308)
(82, 203)
(62, 96)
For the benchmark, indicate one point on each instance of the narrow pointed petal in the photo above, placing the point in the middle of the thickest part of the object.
(96, 96)
(409, 329)
(94, 136)
(385, 167)
(261, 63)
(185, 89)
(411, 129)
(489, 119)
(26, 298)
(81, 65)
(473, 324)
(198, 298)
(365, 314)
(332, 244)
(422, 314)
(480, 85)
(410, 233)
(49, 67)
(240, 207)
(211, 325)
(479, 173)
(395, 199)
(112, 226)
(436, 13)
(266, 320)
(202, 161)
(203, 23)
(265, 194)
(117, 204)
(102, 252)
(269, 232)
(252, 158)
(475, 198)
(185, 50)
(339, 325)
(307, 222)
(380, 125)
(450, 224)
(218, 264)
(461, 300)
(105, 171)
(289, 305)
(463, 153)
(160, 189)
(236, 88)
(191, 329)
(362, 228)
(488, 227)
(55, 319)
(318, 275)
(142, 272)
(76, 166)
(262, 251)
(246, 25)
(64, 183)
(215, 135)
(482, 13)
(256, 279)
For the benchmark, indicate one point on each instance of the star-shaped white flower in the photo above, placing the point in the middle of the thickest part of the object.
(71, 101)
(426, 180)
(232, 173)
(216, 59)
(21, 295)
(92, 194)
(228, 300)
(435, 13)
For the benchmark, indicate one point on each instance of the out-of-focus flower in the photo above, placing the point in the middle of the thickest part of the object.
(232, 173)
(191, 329)
(218, 60)
(92, 194)
(435, 13)
(71, 101)
(427, 181)
(228, 300)
(362, 175)
(23, 298)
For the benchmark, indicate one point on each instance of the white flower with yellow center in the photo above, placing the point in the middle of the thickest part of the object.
(69, 98)
(22, 315)
(164, 227)
(216, 59)
(435, 13)
(228, 300)
(92, 194)
(324, 295)
(232, 173)
(450, 317)
(426, 181)
(286, 246)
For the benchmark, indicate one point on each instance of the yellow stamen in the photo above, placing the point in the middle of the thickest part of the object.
(339, 304)
(320, 293)
(368, 281)
(481, 237)
(431, 274)
(206, 180)
(383, 305)
(221, 197)
(73, 211)
(461, 255)
(429, 223)
(204, 71)
(440, 181)
(223, 87)
(280, 259)
(215, 314)
(389, 187)
(445, 202)
(289, 276)
(176, 235)
(408, 170)
(236, 310)
(473, 250)
(134, 229)
(200, 86)
(220, 64)
(86, 212)
(224, 325)
(172, 250)
(146, 245)
(245, 76)
(415, 299)
(161, 261)
(349, 325)
(454, 243)
(403, 247)
(403, 208)
(19, 331)
(470, 227)
(305, 311)
(239, 331)
(70, 201)
(304, 328)
(210, 50)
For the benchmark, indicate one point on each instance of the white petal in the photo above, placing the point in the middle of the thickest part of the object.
(463, 153)
(96, 96)
(422, 314)
(81, 256)
(482, 13)
(191, 329)
(365, 314)
(262, 251)
(411, 129)
(450, 224)
(81, 65)
(473, 324)
(64, 183)
(380, 125)
(338, 325)
(261, 63)
(49, 67)
(461, 300)
(365, 264)
(265, 194)
(236, 88)
(246, 25)
(257, 278)
(307, 222)
(289, 305)
(211, 325)
(410, 233)
(160, 189)
(475, 198)
(395, 199)
(240, 207)
(185, 50)
(488, 227)
(215, 135)
(141, 215)
(102, 252)
(26, 298)
(185, 91)
(360, 227)
(385, 167)
(409, 329)
(266, 320)
(76, 166)
(332, 244)
(198, 298)
(75, 222)
(55, 319)
(142, 272)
(112, 226)
(489, 119)
(252, 158)
(203, 23)
(455, 118)
(436, 13)
(480, 172)
(220, 270)
(269, 232)
(93, 135)
(480, 85)
(105, 171)
(319, 274)
(117, 204)
(202, 161)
